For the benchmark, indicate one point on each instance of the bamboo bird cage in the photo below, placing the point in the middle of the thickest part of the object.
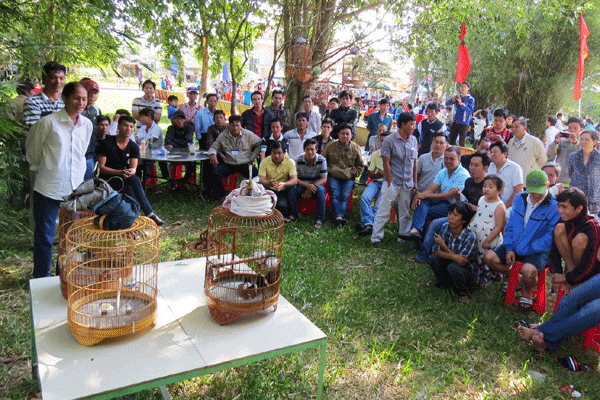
(111, 280)
(65, 220)
(243, 263)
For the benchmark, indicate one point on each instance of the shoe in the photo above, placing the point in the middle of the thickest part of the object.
(156, 219)
(377, 244)
(420, 259)
(366, 230)
(358, 226)
(415, 236)
(318, 225)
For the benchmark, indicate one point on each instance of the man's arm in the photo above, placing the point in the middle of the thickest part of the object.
(516, 190)
(540, 154)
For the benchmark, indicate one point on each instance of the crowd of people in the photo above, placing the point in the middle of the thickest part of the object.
(472, 213)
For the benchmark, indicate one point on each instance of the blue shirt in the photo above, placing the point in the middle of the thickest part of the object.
(204, 119)
(375, 120)
(446, 182)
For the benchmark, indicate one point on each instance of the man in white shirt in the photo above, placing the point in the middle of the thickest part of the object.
(55, 150)
(509, 171)
(297, 136)
(314, 118)
(551, 131)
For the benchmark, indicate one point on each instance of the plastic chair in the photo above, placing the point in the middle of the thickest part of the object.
(230, 182)
(539, 304)
(177, 173)
(152, 177)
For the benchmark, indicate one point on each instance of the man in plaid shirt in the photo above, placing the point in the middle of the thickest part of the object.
(454, 253)
(49, 99)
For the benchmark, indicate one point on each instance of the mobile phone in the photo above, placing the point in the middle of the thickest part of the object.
(564, 134)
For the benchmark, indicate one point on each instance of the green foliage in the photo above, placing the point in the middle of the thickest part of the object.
(71, 32)
(523, 53)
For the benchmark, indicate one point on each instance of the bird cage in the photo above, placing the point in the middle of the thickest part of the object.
(243, 264)
(65, 220)
(111, 279)
(300, 62)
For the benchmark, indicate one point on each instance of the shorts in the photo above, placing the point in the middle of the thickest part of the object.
(538, 260)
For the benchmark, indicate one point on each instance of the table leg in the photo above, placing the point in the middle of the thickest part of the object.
(165, 393)
(321, 370)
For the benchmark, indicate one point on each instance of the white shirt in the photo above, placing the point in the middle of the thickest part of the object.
(511, 174)
(296, 145)
(154, 132)
(112, 131)
(55, 148)
(529, 207)
(551, 133)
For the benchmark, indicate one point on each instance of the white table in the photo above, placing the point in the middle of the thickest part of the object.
(185, 343)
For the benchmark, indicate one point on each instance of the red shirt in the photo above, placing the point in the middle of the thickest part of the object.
(258, 120)
(505, 134)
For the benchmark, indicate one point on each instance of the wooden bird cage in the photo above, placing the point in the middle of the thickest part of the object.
(111, 279)
(300, 62)
(243, 264)
(65, 220)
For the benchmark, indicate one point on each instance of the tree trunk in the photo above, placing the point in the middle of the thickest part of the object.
(232, 73)
(204, 78)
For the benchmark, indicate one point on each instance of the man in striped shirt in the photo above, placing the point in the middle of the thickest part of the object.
(49, 99)
(146, 101)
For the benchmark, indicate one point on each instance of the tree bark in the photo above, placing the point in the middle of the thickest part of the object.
(204, 78)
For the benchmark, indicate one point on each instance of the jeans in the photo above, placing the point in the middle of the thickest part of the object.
(320, 196)
(285, 198)
(450, 274)
(429, 210)
(133, 187)
(367, 212)
(45, 211)
(224, 170)
(429, 239)
(89, 168)
(578, 311)
(340, 190)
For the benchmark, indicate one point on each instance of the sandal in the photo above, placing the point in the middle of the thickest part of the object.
(524, 323)
(525, 303)
(571, 364)
(518, 288)
(463, 298)
(318, 225)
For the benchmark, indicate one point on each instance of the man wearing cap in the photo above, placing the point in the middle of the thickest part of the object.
(91, 110)
(528, 234)
(205, 117)
(191, 107)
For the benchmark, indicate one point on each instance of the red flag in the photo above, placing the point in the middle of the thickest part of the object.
(583, 54)
(464, 62)
(405, 106)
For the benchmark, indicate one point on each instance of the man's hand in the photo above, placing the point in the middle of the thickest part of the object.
(461, 260)
(306, 195)
(510, 257)
(415, 203)
(213, 160)
(128, 172)
(311, 189)
(438, 240)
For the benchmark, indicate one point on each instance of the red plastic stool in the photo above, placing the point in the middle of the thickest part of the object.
(592, 338)
(539, 304)
(230, 182)
(152, 178)
(177, 173)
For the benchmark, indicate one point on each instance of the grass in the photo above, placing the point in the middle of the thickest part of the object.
(390, 335)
